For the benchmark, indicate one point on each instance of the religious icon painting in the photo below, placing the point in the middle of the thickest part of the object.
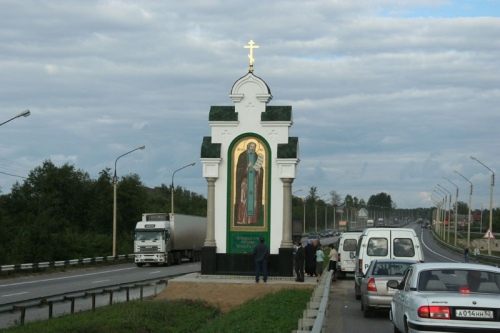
(249, 184)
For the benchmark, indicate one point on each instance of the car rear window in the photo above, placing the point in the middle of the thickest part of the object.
(391, 268)
(350, 245)
(403, 247)
(459, 280)
(377, 246)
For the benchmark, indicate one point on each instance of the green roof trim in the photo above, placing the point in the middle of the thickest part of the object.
(290, 149)
(209, 149)
(222, 113)
(277, 113)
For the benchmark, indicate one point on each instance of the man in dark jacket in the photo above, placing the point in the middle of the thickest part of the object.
(310, 251)
(261, 254)
(300, 256)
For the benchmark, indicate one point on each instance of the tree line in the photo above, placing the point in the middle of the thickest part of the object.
(60, 213)
(319, 211)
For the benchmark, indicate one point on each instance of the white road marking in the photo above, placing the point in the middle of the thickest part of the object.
(155, 272)
(15, 294)
(99, 281)
(428, 248)
(64, 277)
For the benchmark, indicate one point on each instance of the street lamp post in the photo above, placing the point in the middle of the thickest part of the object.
(115, 181)
(316, 212)
(172, 187)
(435, 202)
(470, 204)
(304, 202)
(445, 198)
(456, 210)
(491, 200)
(449, 212)
(304, 209)
(25, 113)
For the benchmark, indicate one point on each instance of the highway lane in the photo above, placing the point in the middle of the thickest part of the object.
(24, 288)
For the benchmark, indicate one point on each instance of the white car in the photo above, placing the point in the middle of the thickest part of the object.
(447, 297)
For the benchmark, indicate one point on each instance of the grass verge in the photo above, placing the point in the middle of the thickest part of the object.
(275, 312)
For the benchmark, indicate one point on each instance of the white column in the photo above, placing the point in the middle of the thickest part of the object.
(286, 241)
(210, 238)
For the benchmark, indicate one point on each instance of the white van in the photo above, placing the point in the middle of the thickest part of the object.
(346, 248)
(385, 243)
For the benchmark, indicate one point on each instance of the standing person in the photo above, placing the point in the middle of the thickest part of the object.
(333, 261)
(466, 254)
(261, 255)
(476, 252)
(310, 251)
(320, 257)
(300, 256)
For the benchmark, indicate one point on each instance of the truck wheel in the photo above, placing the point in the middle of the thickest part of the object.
(139, 264)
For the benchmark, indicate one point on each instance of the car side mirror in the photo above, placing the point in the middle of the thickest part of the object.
(394, 284)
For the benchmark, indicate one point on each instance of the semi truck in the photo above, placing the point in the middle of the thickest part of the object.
(167, 238)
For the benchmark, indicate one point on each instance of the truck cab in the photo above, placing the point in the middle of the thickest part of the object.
(151, 242)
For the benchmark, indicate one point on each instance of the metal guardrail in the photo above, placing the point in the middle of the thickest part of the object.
(483, 258)
(50, 301)
(314, 315)
(62, 263)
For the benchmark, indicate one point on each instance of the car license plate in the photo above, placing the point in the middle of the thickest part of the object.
(467, 313)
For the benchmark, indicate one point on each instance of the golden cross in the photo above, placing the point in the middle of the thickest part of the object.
(251, 46)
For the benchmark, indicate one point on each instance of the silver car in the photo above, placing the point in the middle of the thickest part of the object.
(375, 295)
(447, 297)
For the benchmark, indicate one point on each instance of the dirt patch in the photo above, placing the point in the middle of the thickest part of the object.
(225, 295)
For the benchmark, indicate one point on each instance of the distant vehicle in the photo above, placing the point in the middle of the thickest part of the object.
(380, 222)
(346, 257)
(446, 297)
(374, 292)
(369, 223)
(313, 235)
(165, 238)
(385, 243)
(326, 233)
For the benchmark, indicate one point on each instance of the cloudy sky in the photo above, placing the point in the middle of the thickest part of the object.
(387, 96)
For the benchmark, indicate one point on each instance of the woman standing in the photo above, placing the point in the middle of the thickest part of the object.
(333, 261)
(320, 257)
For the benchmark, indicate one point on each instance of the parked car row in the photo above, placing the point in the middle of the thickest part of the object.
(385, 243)
(423, 297)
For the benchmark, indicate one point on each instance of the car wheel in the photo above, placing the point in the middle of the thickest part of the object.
(406, 324)
(358, 294)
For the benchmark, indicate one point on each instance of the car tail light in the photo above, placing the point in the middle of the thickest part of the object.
(464, 289)
(421, 261)
(371, 285)
(434, 312)
(338, 257)
(360, 266)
